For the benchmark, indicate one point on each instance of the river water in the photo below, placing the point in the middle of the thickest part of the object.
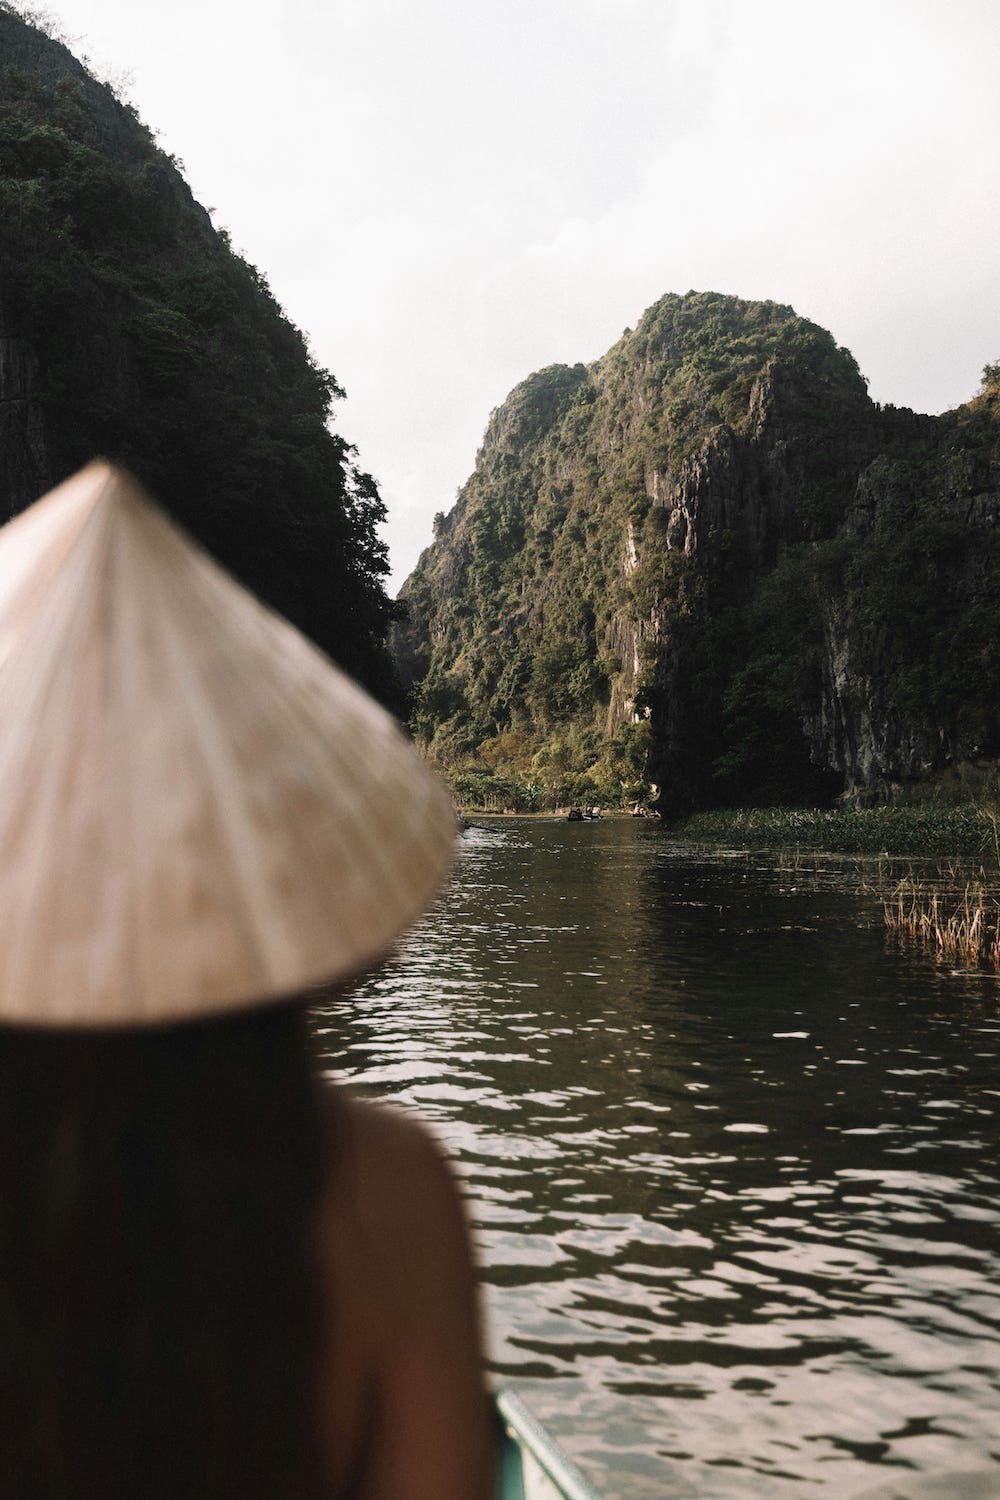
(732, 1159)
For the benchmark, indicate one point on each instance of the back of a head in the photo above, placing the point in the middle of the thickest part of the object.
(161, 1309)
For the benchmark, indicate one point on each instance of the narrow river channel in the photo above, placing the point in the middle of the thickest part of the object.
(731, 1157)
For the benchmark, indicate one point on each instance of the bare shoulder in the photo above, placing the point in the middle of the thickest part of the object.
(402, 1262)
(398, 1220)
(397, 1173)
(386, 1136)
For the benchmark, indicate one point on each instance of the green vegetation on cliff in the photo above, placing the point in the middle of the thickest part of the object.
(712, 544)
(130, 328)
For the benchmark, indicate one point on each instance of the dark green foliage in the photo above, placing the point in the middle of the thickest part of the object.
(157, 346)
(532, 408)
(566, 534)
(714, 530)
(564, 680)
(776, 646)
(922, 592)
(519, 599)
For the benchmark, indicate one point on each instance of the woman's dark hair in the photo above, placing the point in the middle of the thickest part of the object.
(161, 1327)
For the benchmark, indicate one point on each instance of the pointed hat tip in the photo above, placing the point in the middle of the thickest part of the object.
(107, 484)
(101, 486)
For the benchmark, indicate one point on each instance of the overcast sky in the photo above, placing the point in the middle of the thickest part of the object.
(446, 195)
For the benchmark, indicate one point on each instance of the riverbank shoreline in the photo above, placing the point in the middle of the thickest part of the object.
(937, 880)
(560, 815)
(920, 831)
(923, 830)
(933, 871)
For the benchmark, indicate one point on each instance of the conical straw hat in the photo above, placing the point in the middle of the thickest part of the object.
(198, 811)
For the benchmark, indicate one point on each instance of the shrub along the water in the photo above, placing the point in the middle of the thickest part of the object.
(526, 772)
(923, 829)
(941, 909)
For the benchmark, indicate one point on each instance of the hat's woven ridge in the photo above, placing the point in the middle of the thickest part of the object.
(198, 811)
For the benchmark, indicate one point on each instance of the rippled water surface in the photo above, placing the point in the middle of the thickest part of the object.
(732, 1160)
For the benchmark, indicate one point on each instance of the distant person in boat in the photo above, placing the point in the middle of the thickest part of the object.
(219, 1277)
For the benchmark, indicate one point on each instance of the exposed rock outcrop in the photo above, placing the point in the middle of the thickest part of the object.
(715, 528)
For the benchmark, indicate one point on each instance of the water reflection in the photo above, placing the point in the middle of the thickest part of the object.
(732, 1163)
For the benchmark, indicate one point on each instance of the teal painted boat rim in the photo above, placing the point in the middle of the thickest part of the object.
(528, 1434)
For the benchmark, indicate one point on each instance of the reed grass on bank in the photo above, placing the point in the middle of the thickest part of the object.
(923, 829)
(963, 928)
(942, 909)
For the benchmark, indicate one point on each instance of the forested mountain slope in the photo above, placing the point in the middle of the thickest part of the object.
(712, 550)
(129, 328)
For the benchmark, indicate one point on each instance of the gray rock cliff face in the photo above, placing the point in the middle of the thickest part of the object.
(714, 528)
(869, 725)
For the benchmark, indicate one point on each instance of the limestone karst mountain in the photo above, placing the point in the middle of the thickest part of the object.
(130, 329)
(712, 546)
